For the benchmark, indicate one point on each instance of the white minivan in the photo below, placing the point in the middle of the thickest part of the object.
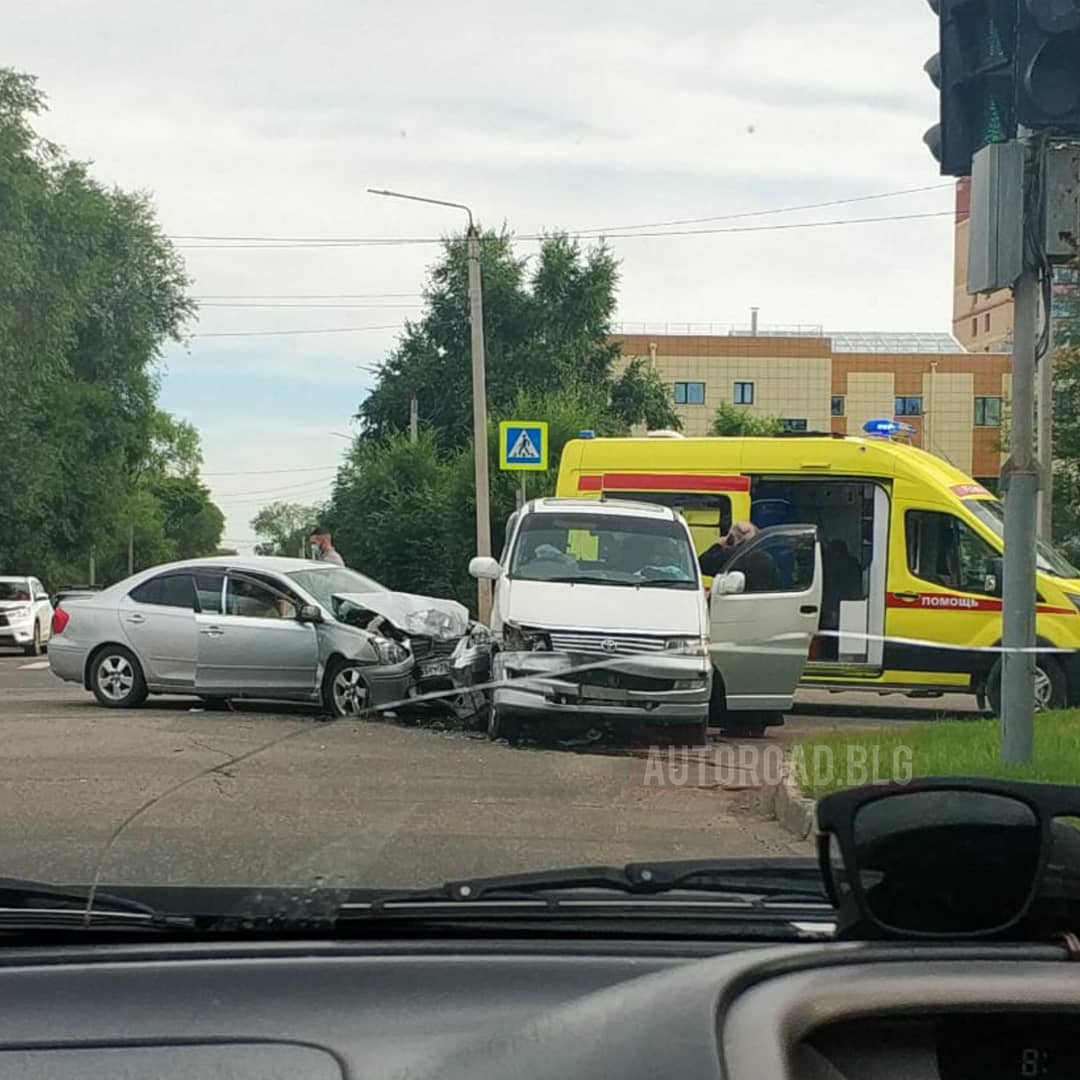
(599, 613)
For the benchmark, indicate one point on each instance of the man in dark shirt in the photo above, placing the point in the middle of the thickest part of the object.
(715, 557)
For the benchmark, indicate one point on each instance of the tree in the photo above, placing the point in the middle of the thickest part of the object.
(403, 511)
(92, 290)
(284, 528)
(550, 329)
(731, 420)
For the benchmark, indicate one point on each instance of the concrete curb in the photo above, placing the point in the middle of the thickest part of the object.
(794, 811)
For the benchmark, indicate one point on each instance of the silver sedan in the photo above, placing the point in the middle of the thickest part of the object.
(230, 628)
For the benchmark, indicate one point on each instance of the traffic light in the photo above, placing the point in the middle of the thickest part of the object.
(1048, 65)
(974, 72)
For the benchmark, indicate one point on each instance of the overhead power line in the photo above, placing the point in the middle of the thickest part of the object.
(310, 296)
(302, 307)
(263, 472)
(270, 243)
(780, 210)
(275, 333)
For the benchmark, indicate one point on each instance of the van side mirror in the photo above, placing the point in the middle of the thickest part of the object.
(994, 576)
(485, 567)
(730, 584)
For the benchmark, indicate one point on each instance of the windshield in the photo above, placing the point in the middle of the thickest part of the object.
(14, 589)
(1048, 559)
(620, 355)
(322, 584)
(604, 549)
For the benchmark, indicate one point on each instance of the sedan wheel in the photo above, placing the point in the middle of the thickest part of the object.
(117, 679)
(347, 692)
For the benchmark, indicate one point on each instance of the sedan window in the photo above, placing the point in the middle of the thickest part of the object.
(167, 590)
(254, 601)
(208, 587)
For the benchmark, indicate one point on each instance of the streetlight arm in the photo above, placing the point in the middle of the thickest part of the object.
(424, 199)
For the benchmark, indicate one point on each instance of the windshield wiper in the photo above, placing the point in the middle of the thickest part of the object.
(795, 881)
(668, 583)
(28, 904)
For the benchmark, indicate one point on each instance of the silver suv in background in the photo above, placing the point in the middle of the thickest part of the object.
(25, 614)
(268, 628)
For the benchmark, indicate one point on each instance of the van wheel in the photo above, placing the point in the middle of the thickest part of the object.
(1051, 688)
(502, 727)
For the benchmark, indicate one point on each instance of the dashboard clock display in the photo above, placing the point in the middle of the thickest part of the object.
(1010, 1047)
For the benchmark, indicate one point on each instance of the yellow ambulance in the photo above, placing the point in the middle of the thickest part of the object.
(911, 551)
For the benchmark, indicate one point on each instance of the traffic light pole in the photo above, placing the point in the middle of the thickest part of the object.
(1020, 477)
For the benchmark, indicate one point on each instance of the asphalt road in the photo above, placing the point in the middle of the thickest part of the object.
(170, 793)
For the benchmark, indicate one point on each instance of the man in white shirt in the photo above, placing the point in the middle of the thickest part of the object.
(321, 547)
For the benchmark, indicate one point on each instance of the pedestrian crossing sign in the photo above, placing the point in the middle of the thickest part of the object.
(523, 445)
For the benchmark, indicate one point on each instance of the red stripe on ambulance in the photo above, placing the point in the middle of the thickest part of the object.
(662, 482)
(953, 602)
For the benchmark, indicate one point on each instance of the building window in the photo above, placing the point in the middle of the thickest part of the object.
(744, 393)
(793, 425)
(838, 405)
(908, 406)
(975, 326)
(988, 412)
(986, 323)
(689, 393)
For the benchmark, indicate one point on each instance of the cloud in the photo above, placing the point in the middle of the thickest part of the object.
(272, 118)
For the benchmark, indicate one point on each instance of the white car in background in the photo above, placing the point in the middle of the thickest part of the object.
(25, 614)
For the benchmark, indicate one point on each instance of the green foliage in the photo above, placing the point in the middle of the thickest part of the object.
(283, 528)
(731, 420)
(90, 292)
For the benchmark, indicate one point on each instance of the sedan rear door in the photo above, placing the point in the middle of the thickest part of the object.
(158, 619)
(764, 611)
(254, 644)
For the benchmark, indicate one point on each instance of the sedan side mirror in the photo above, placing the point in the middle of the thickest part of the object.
(310, 613)
(730, 584)
(485, 568)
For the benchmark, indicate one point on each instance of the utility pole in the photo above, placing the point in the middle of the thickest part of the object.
(414, 419)
(479, 392)
(93, 575)
(131, 546)
(1046, 429)
(1020, 478)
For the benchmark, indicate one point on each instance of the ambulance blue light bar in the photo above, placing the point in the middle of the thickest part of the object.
(886, 428)
(587, 434)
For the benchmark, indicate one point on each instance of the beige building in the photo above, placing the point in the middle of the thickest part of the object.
(954, 400)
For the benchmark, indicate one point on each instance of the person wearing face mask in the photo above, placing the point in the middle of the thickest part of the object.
(716, 556)
(321, 547)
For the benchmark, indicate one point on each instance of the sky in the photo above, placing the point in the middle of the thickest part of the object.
(272, 119)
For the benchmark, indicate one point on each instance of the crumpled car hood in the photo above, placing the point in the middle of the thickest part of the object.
(429, 616)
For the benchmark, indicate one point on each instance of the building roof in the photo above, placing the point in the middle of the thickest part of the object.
(843, 341)
(872, 341)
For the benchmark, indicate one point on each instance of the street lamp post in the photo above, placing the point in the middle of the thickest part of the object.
(479, 392)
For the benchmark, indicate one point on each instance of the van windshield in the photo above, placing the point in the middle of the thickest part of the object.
(604, 549)
(1048, 559)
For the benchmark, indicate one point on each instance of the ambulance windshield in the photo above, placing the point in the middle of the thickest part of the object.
(1050, 560)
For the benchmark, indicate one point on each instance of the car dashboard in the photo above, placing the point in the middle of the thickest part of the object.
(529, 1009)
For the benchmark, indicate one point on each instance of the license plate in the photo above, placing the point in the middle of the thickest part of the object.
(430, 668)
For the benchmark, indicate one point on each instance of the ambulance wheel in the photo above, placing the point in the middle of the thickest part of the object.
(1051, 688)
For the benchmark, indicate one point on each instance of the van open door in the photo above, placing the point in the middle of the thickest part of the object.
(764, 610)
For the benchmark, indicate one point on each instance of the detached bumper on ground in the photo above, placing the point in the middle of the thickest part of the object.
(666, 689)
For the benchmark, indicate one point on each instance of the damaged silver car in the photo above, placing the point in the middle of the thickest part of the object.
(264, 628)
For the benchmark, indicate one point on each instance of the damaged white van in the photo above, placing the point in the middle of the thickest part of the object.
(599, 614)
